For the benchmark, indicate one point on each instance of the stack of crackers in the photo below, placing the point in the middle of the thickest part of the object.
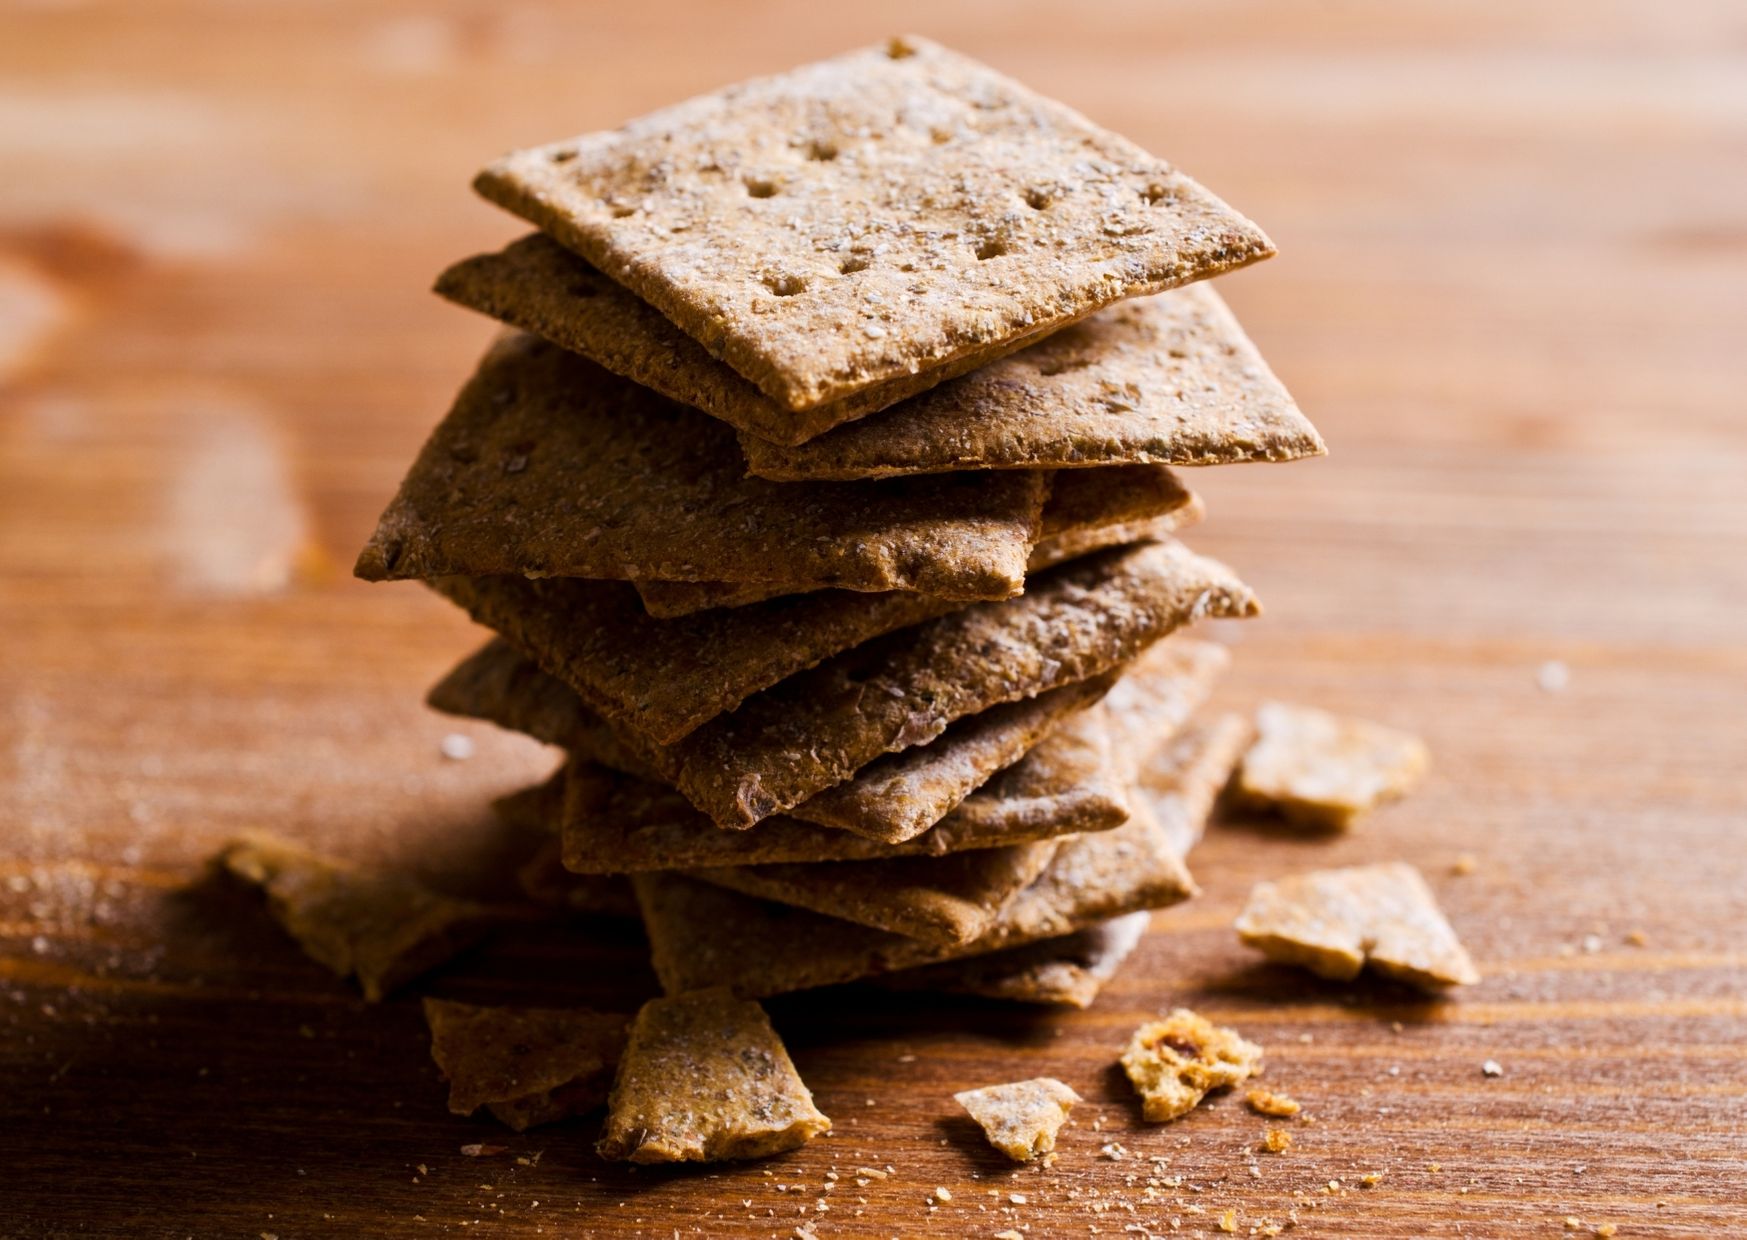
(821, 495)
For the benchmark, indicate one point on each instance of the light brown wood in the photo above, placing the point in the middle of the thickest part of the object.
(1512, 294)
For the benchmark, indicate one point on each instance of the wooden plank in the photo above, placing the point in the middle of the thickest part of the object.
(1513, 281)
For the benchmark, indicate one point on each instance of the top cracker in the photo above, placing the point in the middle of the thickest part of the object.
(895, 212)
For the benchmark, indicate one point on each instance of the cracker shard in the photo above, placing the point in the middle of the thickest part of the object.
(1175, 1062)
(383, 928)
(705, 1078)
(1021, 1119)
(1335, 922)
(526, 1066)
(940, 211)
(1324, 770)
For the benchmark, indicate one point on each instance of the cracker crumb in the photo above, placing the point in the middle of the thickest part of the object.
(1492, 1068)
(1572, 1222)
(1607, 1230)
(1175, 1062)
(1009, 1234)
(1371, 1179)
(1018, 1199)
(1637, 938)
(1113, 1150)
(477, 1150)
(1272, 1102)
(1276, 1141)
(941, 1194)
(1553, 676)
(1228, 1221)
(1465, 864)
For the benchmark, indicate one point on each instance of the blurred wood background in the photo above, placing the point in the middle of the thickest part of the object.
(1512, 293)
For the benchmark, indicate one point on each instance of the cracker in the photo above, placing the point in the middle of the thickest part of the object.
(892, 799)
(654, 681)
(536, 808)
(948, 900)
(818, 728)
(1175, 1062)
(1068, 971)
(526, 1066)
(1085, 512)
(1335, 922)
(701, 935)
(1169, 379)
(548, 465)
(382, 928)
(544, 880)
(1021, 1119)
(1324, 770)
(541, 287)
(705, 1078)
(886, 213)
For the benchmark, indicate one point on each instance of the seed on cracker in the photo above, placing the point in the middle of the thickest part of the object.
(526, 1066)
(705, 1078)
(1335, 922)
(1021, 1119)
(1175, 1062)
(383, 928)
(1324, 770)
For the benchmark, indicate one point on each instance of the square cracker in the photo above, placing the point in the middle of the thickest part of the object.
(1170, 379)
(701, 935)
(948, 900)
(655, 681)
(705, 1078)
(818, 728)
(1335, 922)
(550, 466)
(1086, 511)
(886, 213)
(527, 1066)
(383, 928)
(1064, 972)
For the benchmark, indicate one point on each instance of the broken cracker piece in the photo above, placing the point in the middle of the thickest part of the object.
(1020, 1119)
(1334, 922)
(1324, 770)
(381, 927)
(705, 1078)
(1272, 1102)
(527, 1066)
(1175, 1062)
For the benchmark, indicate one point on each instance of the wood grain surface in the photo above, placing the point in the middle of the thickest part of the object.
(1512, 293)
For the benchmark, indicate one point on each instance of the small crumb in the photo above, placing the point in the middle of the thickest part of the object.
(1572, 1222)
(1228, 1221)
(1553, 676)
(1637, 938)
(1371, 1179)
(941, 1194)
(1114, 1151)
(1434, 1167)
(483, 1151)
(1276, 1141)
(1606, 1230)
(1591, 944)
(1465, 864)
(456, 747)
(1272, 1102)
(1018, 1199)
(1492, 1068)
(1009, 1234)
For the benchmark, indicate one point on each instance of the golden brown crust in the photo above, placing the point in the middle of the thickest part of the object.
(885, 213)
(383, 928)
(527, 1066)
(550, 466)
(705, 1078)
(1336, 922)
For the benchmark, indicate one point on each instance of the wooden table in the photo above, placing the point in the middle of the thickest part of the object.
(1512, 296)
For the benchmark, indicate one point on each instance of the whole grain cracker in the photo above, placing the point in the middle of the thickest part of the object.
(1170, 379)
(1175, 1062)
(655, 681)
(892, 799)
(702, 936)
(539, 286)
(818, 728)
(1324, 770)
(1020, 1119)
(526, 1066)
(1068, 971)
(948, 900)
(548, 465)
(891, 212)
(705, 1078)
(382, 928)
(1085, 512)
(1335, 922)
(544, 880)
